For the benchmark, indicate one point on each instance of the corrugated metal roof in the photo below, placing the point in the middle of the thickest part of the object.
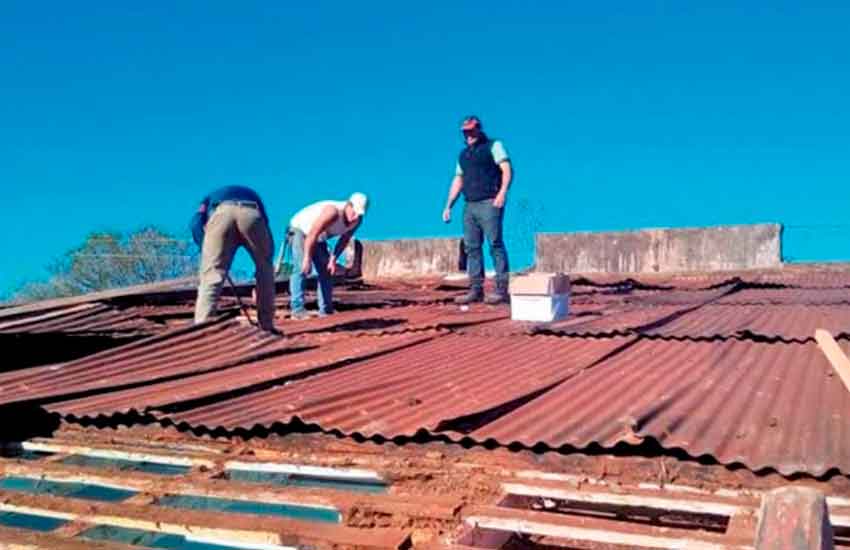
(802, 296)
(702, 367)
(586, 320)
(84, 319)
(681, 297)
(792, 276)
(198, 349)
(787, 323)
(305, 358)
(803, 277)
(763, 405)
(146, 291)
(420, 388)
(177, 353)
(397, 319)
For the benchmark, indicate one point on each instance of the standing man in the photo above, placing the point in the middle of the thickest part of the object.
(484, 174)
(308, 232)
(228, 218)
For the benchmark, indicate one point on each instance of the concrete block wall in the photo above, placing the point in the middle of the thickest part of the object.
(410, 257)
(721, 248)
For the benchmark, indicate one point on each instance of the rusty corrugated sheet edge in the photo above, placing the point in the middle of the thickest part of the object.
(62, 406)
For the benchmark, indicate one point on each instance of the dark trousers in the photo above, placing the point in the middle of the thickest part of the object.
(482, 219)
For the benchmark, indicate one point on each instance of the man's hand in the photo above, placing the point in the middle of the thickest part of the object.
(499, 201)
(332, 265)
(305, 267)
(447, 215)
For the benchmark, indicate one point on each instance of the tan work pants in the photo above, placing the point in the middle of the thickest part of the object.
(230, 227)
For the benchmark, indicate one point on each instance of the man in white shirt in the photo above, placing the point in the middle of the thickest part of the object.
(308, 233)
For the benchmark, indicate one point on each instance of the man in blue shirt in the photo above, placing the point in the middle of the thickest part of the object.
(228, 218)
(483, 173)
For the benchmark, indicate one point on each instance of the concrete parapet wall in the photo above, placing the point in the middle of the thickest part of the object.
(410, 257)
(721, 248)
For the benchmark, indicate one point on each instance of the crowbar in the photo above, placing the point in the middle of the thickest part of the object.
(238, 299)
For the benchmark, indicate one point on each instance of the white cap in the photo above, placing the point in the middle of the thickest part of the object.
(359, 202)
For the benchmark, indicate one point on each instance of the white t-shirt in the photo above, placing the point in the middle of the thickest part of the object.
(307, 216)
(497, 149)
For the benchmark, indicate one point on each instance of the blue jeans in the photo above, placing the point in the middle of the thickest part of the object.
(482, 219)
(296, 279)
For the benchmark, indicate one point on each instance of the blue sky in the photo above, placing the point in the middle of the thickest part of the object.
(617, 114)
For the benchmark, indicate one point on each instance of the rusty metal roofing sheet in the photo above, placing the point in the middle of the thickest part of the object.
(787, 323)
(306, 357)
(776, 406)
(585, 320)
(396, 319)
(681, 297)
(177, 353)
(805, 296)
(427, 387)
(804, 277)
(392, 371)
(93, 318)
(194, 350)
(393, 296)
(794, 276)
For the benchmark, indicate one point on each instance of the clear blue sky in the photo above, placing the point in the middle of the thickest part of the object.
(616, 114)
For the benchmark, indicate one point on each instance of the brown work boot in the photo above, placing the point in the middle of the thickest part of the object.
(474, 295)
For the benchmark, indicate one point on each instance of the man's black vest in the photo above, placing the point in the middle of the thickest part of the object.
(482, 177)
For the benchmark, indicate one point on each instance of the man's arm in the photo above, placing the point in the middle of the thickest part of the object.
(507, 175)
(326, 218)
(454, 191)
(341, 243)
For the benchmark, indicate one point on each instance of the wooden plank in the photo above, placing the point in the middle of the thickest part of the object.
(633, 499)
(343, 474)
(836, 357)
(583, 480)
(270, 533)
(132, 444)
(597, 530)
(792, 518)
(266, 540)
(113, 454)
(20, 539)
(434, 508)
(154, 484)
(36, 511)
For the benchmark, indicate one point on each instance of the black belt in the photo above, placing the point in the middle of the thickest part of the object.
(246, 204)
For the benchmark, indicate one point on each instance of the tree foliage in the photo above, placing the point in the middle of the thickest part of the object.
(113, 260)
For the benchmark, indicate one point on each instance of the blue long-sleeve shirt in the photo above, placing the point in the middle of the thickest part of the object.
(211, 201)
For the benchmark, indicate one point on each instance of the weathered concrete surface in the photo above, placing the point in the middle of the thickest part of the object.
(794, 518)
(410, 257)
(720, 248)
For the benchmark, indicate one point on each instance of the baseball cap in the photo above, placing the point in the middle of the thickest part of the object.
(359, 202)
(471, 123)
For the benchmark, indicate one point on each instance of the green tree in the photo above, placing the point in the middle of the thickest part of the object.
(113, 260)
